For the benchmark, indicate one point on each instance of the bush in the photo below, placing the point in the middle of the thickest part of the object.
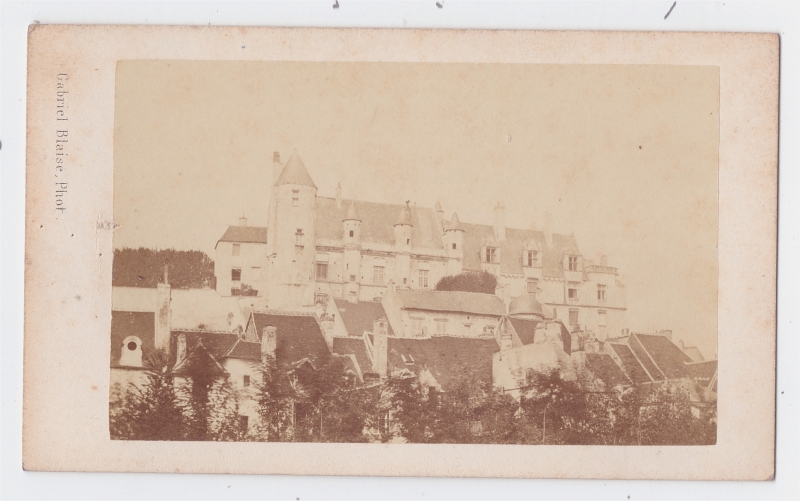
(483, 282)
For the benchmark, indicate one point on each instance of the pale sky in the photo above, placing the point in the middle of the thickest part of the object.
(626, 157)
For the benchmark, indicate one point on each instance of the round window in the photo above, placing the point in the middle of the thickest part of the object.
(132, 346)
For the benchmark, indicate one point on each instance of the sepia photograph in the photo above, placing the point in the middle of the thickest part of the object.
(415, 252)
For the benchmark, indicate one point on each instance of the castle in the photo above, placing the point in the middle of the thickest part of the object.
(315, 248)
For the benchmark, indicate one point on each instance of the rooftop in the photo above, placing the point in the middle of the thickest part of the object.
(453, 301)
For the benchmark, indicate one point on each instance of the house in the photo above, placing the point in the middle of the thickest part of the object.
(316, 247)
(415, 313)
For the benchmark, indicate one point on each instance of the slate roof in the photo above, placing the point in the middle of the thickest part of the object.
(377, 222)
(298, 336)
(454, 301)
(245, 234)
(359, 317)
(217, 344)
(295, 172)
(666, 354)
(354, 346)
(643, 358)
(606, 369)
(453, 224)
(132, 323)
(512, 247)
(245, 350)
(444, 357)
(694, 353)
(525, 329)
(630, 365)
(702, 372)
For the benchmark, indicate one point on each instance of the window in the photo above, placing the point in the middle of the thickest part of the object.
(441, 326)
(454, 246)
(573, 316)
(416, 327)
(601, 292)
(132, 345)
(298, 237)
(531, 258)
(377, 299)
(573, 263)
(243, 424)
(377, 274)
(490, 255)
(246, 381)
(601, 318)
(408, 241)
(572, 292)
(237, 249)
(423, 279)
(295, 198)
(532, 285)
(320, 298)
(488, 330)
(352, 278)
(467, 329)
(322, 271)
(352, 233)
(405, 281)
(236, 274)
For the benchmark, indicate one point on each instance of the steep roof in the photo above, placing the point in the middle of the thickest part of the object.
(245, 234)
(377, 222)
(245, 350)
(525, 329)
(132, 323)
(703, 372)
(666, 354)
(359, 317)
(512, 247)
(444, 357)
(217, 344)
(454, 224)
(606, 369)
(295, 172)
(355, 346)
(454, 301)
(298, 336)
(630, 365)
(694, 353)
(405, 217)
(352, 213)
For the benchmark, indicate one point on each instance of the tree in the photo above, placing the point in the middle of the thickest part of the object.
(273, 397)
(144, 267)
(666, 417)
(151, 411)
(407, 407)
(209, 401)
(483, 282)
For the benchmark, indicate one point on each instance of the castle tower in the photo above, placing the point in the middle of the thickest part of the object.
(351, 226)
(291, 237)
(402, 244)
(454, 244)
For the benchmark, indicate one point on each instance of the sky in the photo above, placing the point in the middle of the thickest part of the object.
(624, 157)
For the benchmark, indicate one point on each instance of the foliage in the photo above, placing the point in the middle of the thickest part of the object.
(483, 282)
(144, 267)
(244, 290)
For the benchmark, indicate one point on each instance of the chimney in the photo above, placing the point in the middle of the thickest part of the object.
(339, 195)
(380, 347)
(269, 342)
(180, 353)
(242, 221)
(548, 228)
(277, 168)
(500, 222)
(163, 313)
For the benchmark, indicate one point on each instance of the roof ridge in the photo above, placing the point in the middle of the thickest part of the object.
(199, 330)
(459, 292)
(286, 313)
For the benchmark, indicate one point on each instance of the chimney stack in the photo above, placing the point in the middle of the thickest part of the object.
(163, 313)
(500, 222)
(242, 221)
(339, 195)
(380, 348)
(269, 342)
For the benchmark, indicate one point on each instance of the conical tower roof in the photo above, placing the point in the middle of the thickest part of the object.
(454, 224)
(405, 217)
(437, 207)
(352, 213)
(295, 172)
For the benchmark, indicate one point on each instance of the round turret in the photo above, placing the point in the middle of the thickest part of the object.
(526, 306)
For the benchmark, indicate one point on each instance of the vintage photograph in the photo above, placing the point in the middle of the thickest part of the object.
(415, 253)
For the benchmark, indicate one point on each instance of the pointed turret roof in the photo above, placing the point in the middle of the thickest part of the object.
(405, 217)
(438, 207)
(454, 224)
(295, 172)
(352, 213)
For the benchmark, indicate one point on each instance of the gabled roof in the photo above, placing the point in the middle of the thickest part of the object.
(512, 247)
(694, 353)
(245, 350)
(354, 346)
(218, 344)
(377, 222)
(202, 359)
(132, 323)
(704, 373)
(525, 329)
(630, 365)
(445, 357)
(295, 172)
(643, 357)
(359, 317)
(298, 336)
(666, 354)
(452, 301)
(606, 369)
(245, 234)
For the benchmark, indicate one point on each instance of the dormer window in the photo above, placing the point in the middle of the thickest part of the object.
(531, 258)
(490, 255)
(572, 262)
(295, 198)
